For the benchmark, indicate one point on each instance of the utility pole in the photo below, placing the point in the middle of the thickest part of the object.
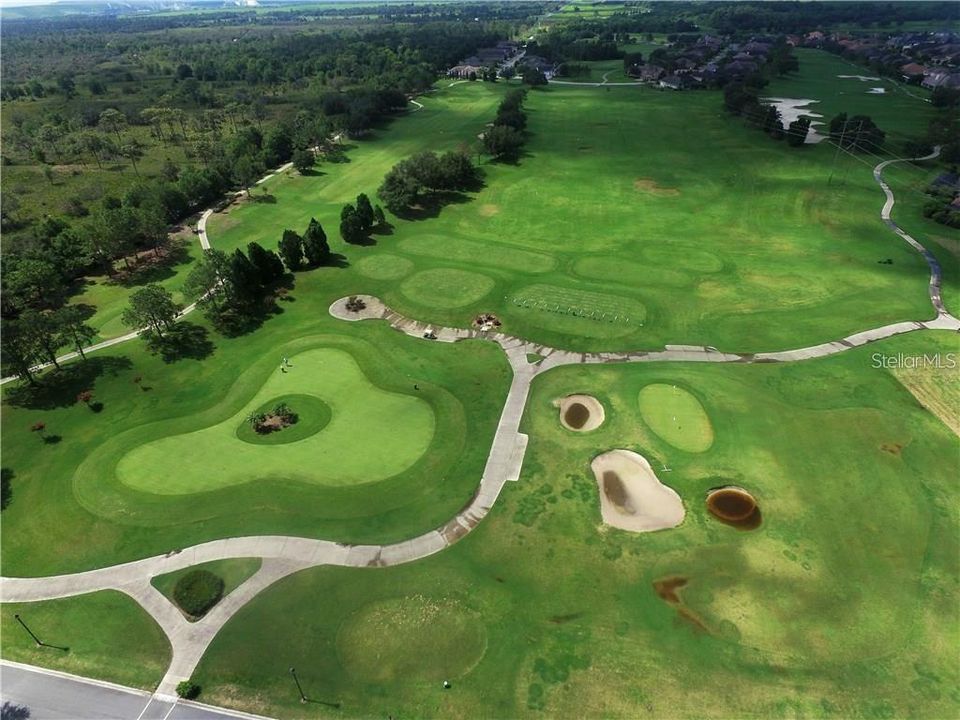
(35, 638)
(837, 153)
(303, 698)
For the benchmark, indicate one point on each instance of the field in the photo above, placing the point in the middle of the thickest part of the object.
(634, 219)
(783, 260)
(802, 616)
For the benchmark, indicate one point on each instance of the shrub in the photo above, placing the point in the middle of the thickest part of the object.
(188, 689)
(198, 591)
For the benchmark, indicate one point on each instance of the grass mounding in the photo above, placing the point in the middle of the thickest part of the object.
(197, 591)
(416, 638)
(677, 416)
(447, 287)
(232, 572)
(313, 415)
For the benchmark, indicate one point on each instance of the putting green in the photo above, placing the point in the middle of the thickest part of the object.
(411, 638)
(372, 435)
(676, 416)
(313, 415)
(446, 287)
(384, 267)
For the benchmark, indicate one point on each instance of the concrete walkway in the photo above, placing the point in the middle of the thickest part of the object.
(285, 555)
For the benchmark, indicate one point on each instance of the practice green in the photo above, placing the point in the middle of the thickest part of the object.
(676, 416)
(372, 435)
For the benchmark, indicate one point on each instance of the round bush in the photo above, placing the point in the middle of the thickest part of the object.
(198, 591)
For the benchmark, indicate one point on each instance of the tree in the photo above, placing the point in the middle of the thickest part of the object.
(33, 281)
(772, 125)
(532, 76)
(207, 280)
(351, 225)
(20, 350)
(379, 216)
(502, 142)
(45, 330)
(303, 161)
(112, 120)
(399, 190)
(857, 133)
(291, 250)
(151, 306)
(245, 279)
(797, 132)
(73, 329)
(364, 212)
(315, 245)
(132, 151)
(245, 172)
(268, 263)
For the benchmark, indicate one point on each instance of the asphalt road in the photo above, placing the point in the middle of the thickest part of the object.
(30, 693)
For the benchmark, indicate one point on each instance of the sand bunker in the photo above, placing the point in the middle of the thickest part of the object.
(650, 186)
(489, 210)
(877, 91)
(734, 506)
(581, 413)
(861, 78)
(631, 496)
(791, 109)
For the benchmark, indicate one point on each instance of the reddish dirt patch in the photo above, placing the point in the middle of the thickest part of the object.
(892, 448)
(667, 588)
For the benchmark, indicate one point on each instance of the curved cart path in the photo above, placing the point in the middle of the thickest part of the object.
(283, 555)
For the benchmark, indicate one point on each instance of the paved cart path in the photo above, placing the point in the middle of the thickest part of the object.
(284, 555)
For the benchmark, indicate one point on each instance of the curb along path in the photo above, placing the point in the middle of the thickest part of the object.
(283, 556)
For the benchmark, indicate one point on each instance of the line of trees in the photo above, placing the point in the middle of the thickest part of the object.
(505, 139)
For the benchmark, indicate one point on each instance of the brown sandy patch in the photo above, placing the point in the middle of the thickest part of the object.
(581, 413)
(631, 496)
(489, 210)
(648, 185)
(936, 389)
(734, 506)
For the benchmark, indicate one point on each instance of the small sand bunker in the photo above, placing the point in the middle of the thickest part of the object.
(631, 496)
(734, 506)
(877, 91)
(581, 413)
(648, 185)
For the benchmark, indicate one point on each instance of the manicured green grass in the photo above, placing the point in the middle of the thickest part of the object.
(840, 604)
(233, 572)
(720, 236)
(895, 111)
(70, 511)
(106, 635)
(342, 454)
(676, 416)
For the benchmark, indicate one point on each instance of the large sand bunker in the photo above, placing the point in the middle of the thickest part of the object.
(581, 413)
(631, 496)
(734, 506)
(791, 109)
